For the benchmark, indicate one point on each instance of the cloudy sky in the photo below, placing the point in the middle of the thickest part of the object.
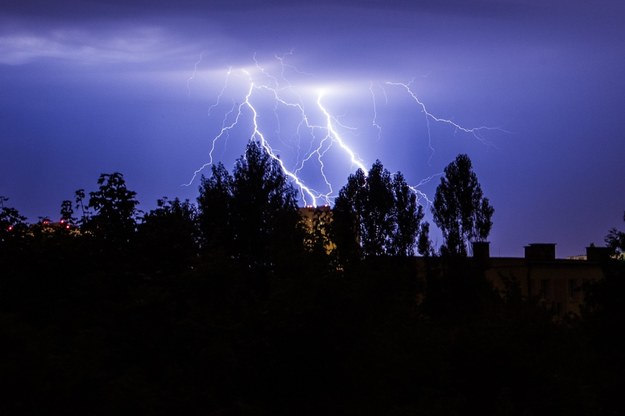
(91, 87)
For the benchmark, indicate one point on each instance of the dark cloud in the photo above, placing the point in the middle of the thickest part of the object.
(75, 9)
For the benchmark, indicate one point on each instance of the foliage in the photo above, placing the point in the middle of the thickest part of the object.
(80, 200)
(615, 240)
(460, 210)
(251, 214)
(67, 213)
(214, 208)
(424, 244)
(264, 208)
(166, 238)
(407, 215)
(13, 229)
(346, 226)
(376, 214)
(115, 210)
(11, 221)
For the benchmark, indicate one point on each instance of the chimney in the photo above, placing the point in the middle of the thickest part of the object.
(540, 252)
(481, 250)
(598, 254)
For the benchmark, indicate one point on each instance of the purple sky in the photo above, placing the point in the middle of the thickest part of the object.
(91, 87)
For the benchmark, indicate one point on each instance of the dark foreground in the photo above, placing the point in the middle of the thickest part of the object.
(219, 340)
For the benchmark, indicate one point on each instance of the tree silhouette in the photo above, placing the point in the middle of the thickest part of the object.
(79, 198)
(615, 240)
(13, 238)
(13, 225)
(264, 213)
(345, 226)
(376, 215)
(251, 215)
(166, 237)
(115, 210)
(67, 213)
(11, 221)
(424, 244)
(407, 214)
(460, 210)
(214, 209)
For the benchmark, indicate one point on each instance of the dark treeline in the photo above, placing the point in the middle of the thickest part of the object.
(233, 305)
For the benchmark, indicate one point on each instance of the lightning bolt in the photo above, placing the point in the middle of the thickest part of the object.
(476, 132)
(374, 122)
(192, 77)
(319, 132)
(420, 194)
(221, 93)
(335, 136)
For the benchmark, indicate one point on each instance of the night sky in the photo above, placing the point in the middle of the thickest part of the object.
(91, 87)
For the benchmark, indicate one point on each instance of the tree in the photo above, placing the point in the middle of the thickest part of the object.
(376, 219)
(345, 226)
(13, 237)
(616, 240)
(376, 214)
(424, 244)
(407, 214)
(115, 209)
(264, 216)
(460, 210)
(214, 209)
(79, 198)
(67, 213)
(12, 223)
(166, 237)
(251, 215)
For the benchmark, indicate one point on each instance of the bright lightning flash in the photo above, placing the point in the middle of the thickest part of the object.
(276, 111)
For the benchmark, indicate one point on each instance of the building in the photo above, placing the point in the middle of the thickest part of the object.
(316, 221)
(557, 284)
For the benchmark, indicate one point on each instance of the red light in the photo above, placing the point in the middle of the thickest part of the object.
(10, 228)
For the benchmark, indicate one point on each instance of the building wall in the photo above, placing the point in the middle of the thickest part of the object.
(557, 284)
(316, 221)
